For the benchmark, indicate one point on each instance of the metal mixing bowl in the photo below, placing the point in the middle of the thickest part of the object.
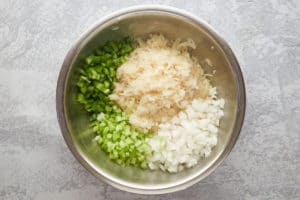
(212, 52)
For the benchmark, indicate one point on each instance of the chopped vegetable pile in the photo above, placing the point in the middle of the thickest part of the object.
(151, 106)
(123, 143)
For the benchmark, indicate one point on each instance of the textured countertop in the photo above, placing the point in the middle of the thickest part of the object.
(34, 160)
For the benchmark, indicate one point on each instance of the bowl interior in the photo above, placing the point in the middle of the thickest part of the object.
(208, 52)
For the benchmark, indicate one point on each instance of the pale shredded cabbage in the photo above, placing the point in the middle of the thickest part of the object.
(158, 80)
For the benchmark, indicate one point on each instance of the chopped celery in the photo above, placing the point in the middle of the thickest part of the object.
(123, 143)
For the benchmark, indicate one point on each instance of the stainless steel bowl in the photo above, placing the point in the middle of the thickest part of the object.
(212, 52)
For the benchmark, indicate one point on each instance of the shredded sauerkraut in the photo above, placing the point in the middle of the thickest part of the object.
(158, 80)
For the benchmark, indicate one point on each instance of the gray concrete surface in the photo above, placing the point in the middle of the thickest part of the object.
(34, 160)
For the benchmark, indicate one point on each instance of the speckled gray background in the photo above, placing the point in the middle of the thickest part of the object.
(35, 36)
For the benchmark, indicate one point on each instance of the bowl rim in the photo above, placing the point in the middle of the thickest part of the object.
(86, 163)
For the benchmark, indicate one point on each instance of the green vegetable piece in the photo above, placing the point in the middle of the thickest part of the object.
(89, 60)
(106, 84)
